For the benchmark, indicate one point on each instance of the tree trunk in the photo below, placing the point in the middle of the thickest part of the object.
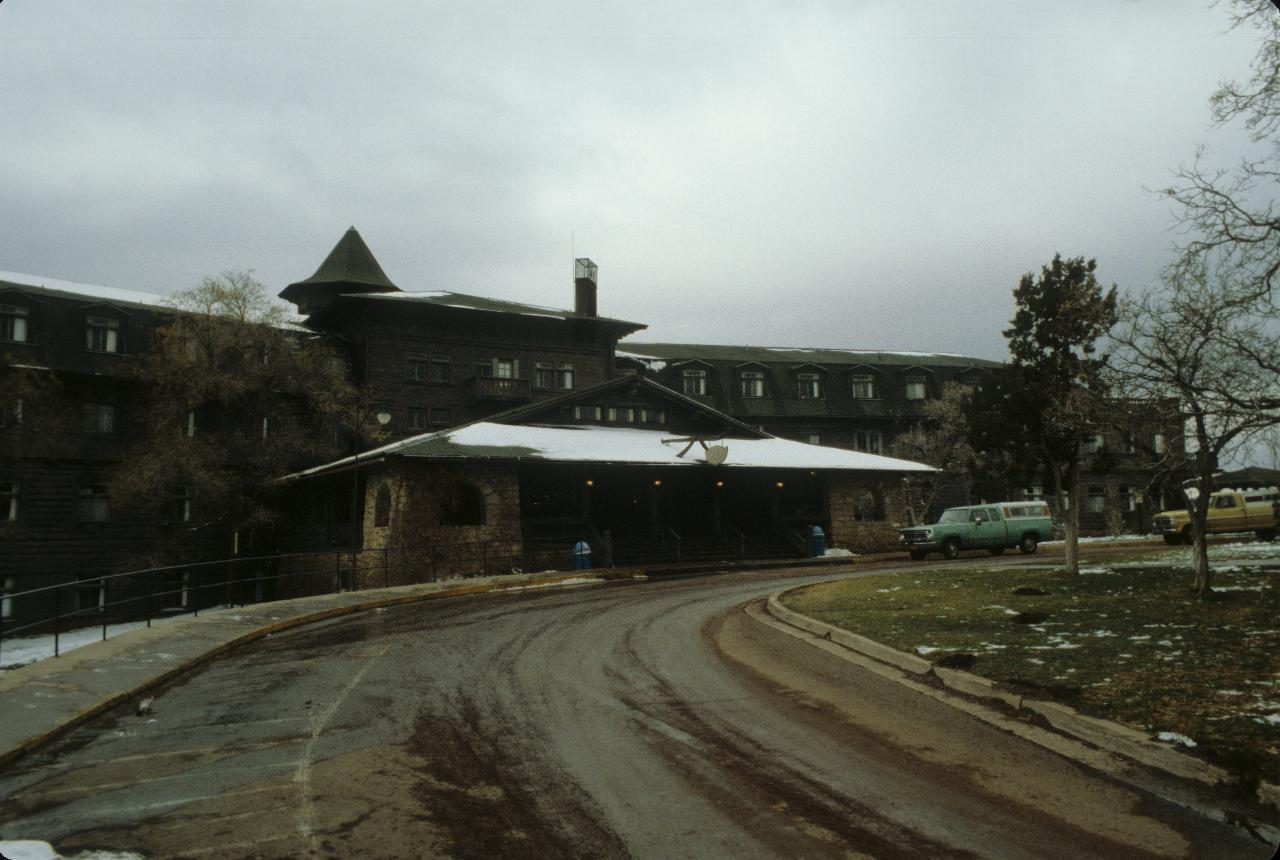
(1070, 518)
(1200, 538)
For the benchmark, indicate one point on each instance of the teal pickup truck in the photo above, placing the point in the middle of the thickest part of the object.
(994, 527)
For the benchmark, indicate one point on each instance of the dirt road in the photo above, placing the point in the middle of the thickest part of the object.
(653, 720)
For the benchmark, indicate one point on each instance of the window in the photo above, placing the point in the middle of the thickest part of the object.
(417, 419)
(174, 589)
(102, 334)
(94, 505)
(1093, 443)
(484, 371)
(91, 593)
(694, 382)
(441, 417)
(1157, 443)
(9, 501)
(587, 413)
(1095, 501)
(13, 323)
(752, 383)
(441, 369)
(8, 588)
(814, 438)
(1224, 502)
(263, 424)
(625, 414)
(1034, 493)
(916, 388)
(191, 423)
(417, 367)
(870, 441)
(505, 368)
(462, 505)
(564, 380)
(863, 387)
(98, 418)
(653, 416)
(382, 507)
(178, 505)
(1128, 499)
(808, 386)
(1126, 444)
(544, 376)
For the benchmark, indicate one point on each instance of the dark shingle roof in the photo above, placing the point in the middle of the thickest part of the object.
(778, 355)
(444, 298)
(349, 263)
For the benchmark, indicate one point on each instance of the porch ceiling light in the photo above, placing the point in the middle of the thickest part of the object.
(719, 483)
(590, 483)
(657, 483)
(779, 485)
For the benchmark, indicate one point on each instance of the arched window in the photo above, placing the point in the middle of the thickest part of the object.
(382, 507)
(462, 505)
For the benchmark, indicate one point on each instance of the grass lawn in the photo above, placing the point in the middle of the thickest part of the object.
(1127, 641)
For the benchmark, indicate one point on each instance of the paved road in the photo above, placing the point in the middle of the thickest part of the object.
(653, 720)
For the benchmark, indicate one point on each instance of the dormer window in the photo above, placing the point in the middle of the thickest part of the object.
(13, 323)
(863, 386)
(808, 386)
(695, 382)
(751, 383)
(102, 334)
(916, 388)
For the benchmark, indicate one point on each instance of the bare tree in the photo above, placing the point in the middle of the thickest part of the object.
(235, 397)
(1200, 347)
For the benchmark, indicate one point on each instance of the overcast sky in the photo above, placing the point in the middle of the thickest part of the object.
(848, 174)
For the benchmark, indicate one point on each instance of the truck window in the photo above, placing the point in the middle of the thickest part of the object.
(955, 515)
(994, 514)
(977, 516)
(1225, 502)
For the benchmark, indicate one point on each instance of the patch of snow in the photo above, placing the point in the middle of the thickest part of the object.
(837, 552)
(28, 649)
(1034, 660)
(1175, 738)
(31, 849)
(1100, 634)
(1240, 588)
(1268, 720)
(926, 649)
(93, 291)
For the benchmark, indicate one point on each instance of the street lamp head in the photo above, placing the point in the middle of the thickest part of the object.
(384, 418)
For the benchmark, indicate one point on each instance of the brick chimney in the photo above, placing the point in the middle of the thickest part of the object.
(584, 287)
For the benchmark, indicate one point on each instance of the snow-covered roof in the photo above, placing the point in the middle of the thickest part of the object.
(94, 291)
(445, 298)
(657, 355)
(622, 445)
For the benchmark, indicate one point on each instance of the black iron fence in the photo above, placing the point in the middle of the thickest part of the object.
(163, 592)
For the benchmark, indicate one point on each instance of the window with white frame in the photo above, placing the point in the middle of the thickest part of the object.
(544, 375)
(98, 418)
(564, 377)
(870, 441)
(751, 383)
(863, 386)
(91, 593)
(505, 368)
(916, 387)
(623, 414)
(102, 334)
(441, 416)
(694, 382)
(178, 505)
(808, 386)
(1126, 444)
(814, 438)
(9, 501)
(190, 424)
(653, 416)
(416, 418)
(441, 371)
(1034, 493)
(1158, 443)
(417, 367)
(1128, 499)
(8, 588)
(1095, 501)
(1093, 443)
(94, 506)
(13, 323)
(587, 413)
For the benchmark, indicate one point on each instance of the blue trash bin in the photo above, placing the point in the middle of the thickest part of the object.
(817, 542)
(581, 555)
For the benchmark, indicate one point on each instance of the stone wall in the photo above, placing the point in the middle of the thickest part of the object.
(418, 544)
(865, 511)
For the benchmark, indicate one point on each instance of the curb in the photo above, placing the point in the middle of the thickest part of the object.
(36, 741)
(1109, 736)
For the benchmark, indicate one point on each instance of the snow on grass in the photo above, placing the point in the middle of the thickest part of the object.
(837, 552)
(926, 649)
(31, 849)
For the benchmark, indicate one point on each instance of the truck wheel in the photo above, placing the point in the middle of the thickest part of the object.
(996, 550)
(1266, 534)
(1172, 540)
(1028, 544)
(917, 554)
(951, 548)
(1187, 537)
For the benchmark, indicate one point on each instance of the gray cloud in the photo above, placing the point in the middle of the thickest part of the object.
(872, 174)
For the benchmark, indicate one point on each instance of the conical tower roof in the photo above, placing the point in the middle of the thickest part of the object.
(349, 268)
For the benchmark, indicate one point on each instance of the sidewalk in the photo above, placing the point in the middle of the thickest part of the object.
(42, 700)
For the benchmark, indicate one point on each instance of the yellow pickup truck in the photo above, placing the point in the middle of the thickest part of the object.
(1229, 511)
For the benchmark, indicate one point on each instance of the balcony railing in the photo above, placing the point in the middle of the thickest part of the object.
(496, 388)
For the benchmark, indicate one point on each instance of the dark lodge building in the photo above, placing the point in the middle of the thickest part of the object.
(512, 426)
